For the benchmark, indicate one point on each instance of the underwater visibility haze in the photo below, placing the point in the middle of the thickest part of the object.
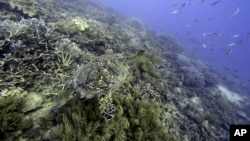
(108, 70)
(190, 20)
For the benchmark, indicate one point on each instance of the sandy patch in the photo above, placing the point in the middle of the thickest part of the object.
(231, 96)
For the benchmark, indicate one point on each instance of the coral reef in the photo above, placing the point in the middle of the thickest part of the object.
(135, 23)
(72, 25)
(31, 102)
(211, 79)
(10, 111)
(192, 77)
(28, 7)
(78, 71)
(134, 120)
(144, 65)
(67, 52)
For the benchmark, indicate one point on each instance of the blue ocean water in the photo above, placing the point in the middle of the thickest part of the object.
(216, 31)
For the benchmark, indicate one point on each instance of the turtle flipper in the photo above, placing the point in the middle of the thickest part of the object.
(106, 106)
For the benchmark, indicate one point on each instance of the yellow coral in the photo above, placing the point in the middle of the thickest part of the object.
(82, 25)
(13, 91)
(71, 25)
(27, 6)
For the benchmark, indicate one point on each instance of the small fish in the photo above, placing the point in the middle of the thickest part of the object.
(235, 13)
(215, 3)
(228, 51)
(183, 5)
(174, 12)
(231, 44)
(229, 48)
(197, 19)
(217, 33)
(203, 1)
(194, 40)
(173, 5)
(204, 46)
(235, 36)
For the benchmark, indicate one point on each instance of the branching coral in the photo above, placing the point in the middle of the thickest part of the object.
(67, 51)
(10, 29)
(25, 51)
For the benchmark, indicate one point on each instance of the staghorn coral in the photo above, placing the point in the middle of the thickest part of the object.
(10, 29)
(67, 51)
(18, 33)
(25, 52)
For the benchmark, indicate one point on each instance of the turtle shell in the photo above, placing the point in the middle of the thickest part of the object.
(100, 76)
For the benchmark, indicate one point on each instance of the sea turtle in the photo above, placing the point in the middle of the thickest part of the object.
(100, 77)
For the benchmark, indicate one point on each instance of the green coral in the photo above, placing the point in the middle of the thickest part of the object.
(144, 66)
(80, 24)
(11, 115)
(77, 120)
(12, 119)
(134, 120)
(10, 112)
